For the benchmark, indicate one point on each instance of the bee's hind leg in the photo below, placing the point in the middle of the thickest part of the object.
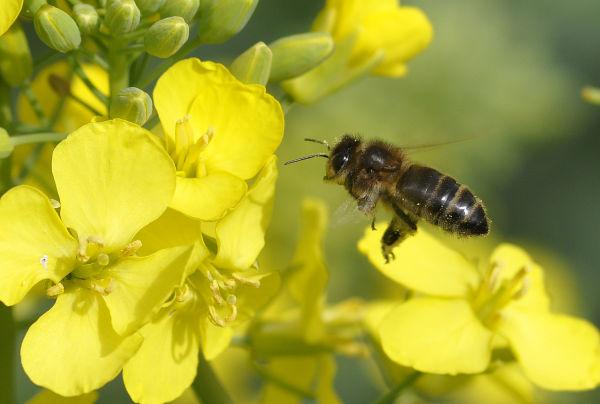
(373, 223)
(399, 228)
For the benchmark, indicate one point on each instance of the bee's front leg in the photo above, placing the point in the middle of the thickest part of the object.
(398, 229)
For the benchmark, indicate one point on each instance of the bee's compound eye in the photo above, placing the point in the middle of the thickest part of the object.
(339, 160)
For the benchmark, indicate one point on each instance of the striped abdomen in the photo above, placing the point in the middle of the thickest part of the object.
(442, 201)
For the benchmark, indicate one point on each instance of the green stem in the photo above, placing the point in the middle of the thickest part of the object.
(35, 104)
(284, 384)
(119, 70)
(207, 385)
(7, 355)
(6, 118)
(149, 78)
(391, 396)
(42, 137)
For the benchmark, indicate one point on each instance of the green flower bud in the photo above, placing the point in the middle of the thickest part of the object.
(296, 54)
(185, 9)
(219, 20)
(31, 7)
(56, 29)
(15, 59)
(122, 16)
(254, 65)
(6, 144)
(167, 36)
(132, 104)
(148, 7)
(86, 17)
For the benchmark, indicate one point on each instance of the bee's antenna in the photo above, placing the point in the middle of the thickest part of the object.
(323, 142)
(310, 156)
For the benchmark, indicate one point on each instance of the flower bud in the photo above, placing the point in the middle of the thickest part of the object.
(15, 59)
(122, 16)
(132, 104)
(86, 17)
(254, 65)
(56, 29)
(6, 144)
(185, 9)
(30, 7)
(148, 7)
(219, 20)
(167, 36)
(296, 54)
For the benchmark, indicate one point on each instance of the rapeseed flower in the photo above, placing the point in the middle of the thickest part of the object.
(9, 11)
(222, 292)
(371, 36)
(218, 131)
(112, 179)
(459, 315)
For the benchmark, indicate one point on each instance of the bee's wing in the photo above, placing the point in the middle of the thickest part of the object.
(347, 213)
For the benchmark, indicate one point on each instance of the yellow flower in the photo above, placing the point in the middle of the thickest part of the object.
(9, 11)
(460, 315)
(371, 36)
(223, 291)
(291, 337)
(219, 132)
(112, 179)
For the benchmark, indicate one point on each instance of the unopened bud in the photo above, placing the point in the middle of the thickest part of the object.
(6, 144)
(86, 17)
(122, 16)
(254, 65)
(148, 7)
(15, 59)
(56, 29)
(167, 36)
(296, 54)
(219, 20)
(185, 9)
(31, 7)
(132, 104)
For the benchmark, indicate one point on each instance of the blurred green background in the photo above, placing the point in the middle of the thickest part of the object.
(504, 77)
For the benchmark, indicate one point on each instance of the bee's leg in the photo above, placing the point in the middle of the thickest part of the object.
(373, 224)
(399, 228)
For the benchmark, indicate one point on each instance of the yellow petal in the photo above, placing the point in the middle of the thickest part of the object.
(247, 124)
(72, 114)
(165, 365)
(208, 198)
(72, 348)
(376, 312)
(422, 263)
(171, 229)
(436, 336)
(179, 86)
(402, 33)
(557, 352)
(48, 397)
(214, 339)
(241, 234)
(34, 243)
(510, 260)
(113, 179)
(142, 284)
(8, 13)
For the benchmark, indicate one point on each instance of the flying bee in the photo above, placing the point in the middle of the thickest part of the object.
(377, 171)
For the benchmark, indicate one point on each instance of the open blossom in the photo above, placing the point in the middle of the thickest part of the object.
(218, 131)
(112, 179)
(460, 315)
(9, 11)
(371, 36)
(223, 290)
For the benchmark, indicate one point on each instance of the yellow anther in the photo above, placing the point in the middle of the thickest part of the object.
(214, 317)
(233, 315)
(103, 259)
(131, 248)
(184, 138)
(55, 204)
(55, 290)
(246, 281)
(103, 290)
(231, 300)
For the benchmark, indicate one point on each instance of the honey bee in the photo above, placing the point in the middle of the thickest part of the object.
(377, 171)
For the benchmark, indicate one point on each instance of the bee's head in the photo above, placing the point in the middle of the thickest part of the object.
(341, 158)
